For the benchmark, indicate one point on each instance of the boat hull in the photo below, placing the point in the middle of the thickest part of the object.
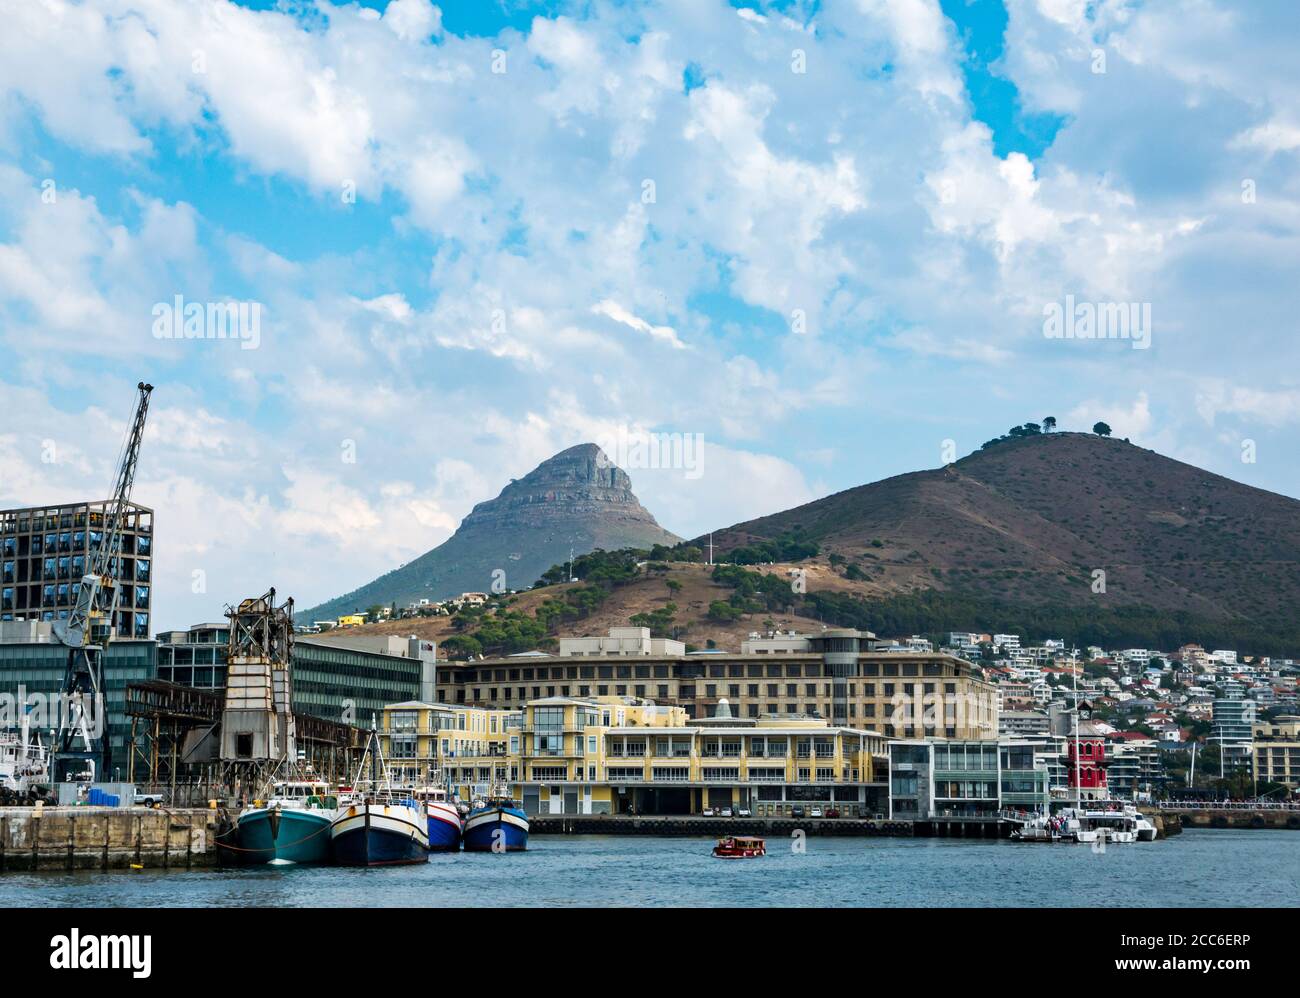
(496, 829)
(378, 835)
(287, 835)
(444, 827)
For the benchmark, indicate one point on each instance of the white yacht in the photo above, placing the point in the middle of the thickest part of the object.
(1090, 821)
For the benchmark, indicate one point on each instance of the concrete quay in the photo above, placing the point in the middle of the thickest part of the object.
(623, 824)
(105, 838)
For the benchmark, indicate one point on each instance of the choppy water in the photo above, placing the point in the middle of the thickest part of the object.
(1198, 868)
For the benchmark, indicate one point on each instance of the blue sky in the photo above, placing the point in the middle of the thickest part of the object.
(822, 235)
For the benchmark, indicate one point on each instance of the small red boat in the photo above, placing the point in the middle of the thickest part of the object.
(735, 847)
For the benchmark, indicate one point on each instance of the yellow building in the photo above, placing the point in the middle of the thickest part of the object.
(623, 755)
(352, 620)
(618, 755)
(432, 744)
(1276, 750)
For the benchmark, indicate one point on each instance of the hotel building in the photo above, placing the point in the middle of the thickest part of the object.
(621, 755)
(830, 676)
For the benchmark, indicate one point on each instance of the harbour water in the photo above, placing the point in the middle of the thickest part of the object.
(1244, 868)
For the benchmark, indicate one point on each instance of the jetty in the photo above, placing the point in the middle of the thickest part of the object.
(106, 838)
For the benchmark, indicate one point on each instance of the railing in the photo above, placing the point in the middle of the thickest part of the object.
(1226, 805)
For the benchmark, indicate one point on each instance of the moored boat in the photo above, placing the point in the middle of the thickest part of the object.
(379, 830)
(291, 826)
(443, 817)
(378, 824)
(740, 847)
(496, 824)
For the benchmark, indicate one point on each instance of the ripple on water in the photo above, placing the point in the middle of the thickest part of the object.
(1200, 867)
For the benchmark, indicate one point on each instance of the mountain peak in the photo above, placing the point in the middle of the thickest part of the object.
(574, 501)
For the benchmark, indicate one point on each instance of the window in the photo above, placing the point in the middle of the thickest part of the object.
(404, 720)
(403, 746)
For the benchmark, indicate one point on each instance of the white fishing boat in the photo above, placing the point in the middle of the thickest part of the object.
(24, 766)
(379, 824)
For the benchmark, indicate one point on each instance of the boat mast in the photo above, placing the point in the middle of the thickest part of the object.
(1078, 785)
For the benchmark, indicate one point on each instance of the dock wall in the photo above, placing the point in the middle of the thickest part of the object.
(605, 824)
(105, 838)
(1239, 818)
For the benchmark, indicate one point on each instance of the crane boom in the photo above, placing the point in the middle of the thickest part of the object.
(84, 630)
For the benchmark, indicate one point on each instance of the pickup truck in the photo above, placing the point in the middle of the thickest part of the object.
(143, 799)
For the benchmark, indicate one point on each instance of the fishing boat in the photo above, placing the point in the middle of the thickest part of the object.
(379, 824)
(739, 847)
(496, 823)
(443, 817)
(24, 766)
(291, 826)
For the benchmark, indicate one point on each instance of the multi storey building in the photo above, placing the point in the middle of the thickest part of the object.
(1232, 731)
(832, 677)
(938, 779)
(613, 755)
(341, 678)
(45, 551)
(435, 744)
(33, 662)
(1276, 753)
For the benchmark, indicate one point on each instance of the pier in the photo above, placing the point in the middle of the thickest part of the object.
(106, 838)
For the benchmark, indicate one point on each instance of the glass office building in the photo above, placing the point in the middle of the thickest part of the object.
(38, 667)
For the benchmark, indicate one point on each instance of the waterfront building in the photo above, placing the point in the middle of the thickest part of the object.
(964, 778)
(1276, 755)
(1233, 718)
(343, 678)
(1135, 765)
(620, 755)
(835, 678)
(33, 662)
(45, 551)
(467, 749)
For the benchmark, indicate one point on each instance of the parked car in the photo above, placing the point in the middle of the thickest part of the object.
(742, 812)
(152, 799)
(832, 812)
(816, 812)
(725, 812)
(796, 811)
(707, 812)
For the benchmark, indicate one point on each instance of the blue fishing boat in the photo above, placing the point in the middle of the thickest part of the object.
(378, 824)
(496, 824)
(443, 817)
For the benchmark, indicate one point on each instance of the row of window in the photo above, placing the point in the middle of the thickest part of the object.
(691, 670)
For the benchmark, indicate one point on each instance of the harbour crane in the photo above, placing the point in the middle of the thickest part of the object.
(79, 743)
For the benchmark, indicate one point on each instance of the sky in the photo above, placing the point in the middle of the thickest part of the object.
(824, 238)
